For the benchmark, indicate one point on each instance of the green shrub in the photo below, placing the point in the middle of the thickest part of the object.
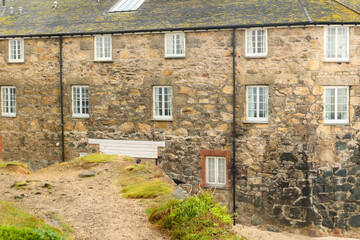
(197, 217)
(24, 233)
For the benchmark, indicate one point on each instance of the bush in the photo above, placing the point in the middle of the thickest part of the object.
(197, 217)
(24, 233)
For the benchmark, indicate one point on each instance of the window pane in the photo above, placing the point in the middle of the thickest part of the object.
(211, 170)
(221, 171)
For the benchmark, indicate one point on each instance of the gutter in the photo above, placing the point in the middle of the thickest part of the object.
(224, 27)
(233, 167)
(61, 101)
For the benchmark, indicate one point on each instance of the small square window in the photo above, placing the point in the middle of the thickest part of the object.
(174, 45)
(337, 44)
(257, 100)
(103, 48)
(163, 103)
(80, 101)
(16, 50)
(256, 43)
(8, 102)
(336, 105)
(216, 171)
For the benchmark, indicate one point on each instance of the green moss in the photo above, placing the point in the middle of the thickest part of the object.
(14, 163)
(20, 185)
(144, 181)
(97, 158)
(150, 189)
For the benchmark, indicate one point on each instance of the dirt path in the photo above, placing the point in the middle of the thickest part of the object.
(254, 233)
(91, 206)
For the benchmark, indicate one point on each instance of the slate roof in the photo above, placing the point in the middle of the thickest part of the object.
(92, 16)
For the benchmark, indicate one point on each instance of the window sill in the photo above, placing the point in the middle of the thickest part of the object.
(104, 61)
(22, 61)
(260, 56)
(8, 116)
(81, 116)
(162, 119)
(335, 123)
(175, 57)
(337, 60)
(254, 121)
(220, 187)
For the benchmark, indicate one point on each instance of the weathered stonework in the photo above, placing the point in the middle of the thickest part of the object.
(283, 167)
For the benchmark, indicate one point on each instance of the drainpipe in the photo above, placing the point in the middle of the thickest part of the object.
(61, 102)
(233, 167)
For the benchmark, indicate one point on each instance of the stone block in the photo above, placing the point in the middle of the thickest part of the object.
(354, 221)
(187, 91)
(144, 128)
(127, 127)
(181, 132)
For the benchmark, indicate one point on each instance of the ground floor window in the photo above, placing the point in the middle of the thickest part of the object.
(80, 101)
(8, 102)
(214, 168)
(336, 105)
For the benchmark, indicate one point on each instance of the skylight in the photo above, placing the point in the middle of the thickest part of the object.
(126, 5)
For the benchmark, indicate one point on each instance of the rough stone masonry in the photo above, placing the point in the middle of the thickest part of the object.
(294, 170)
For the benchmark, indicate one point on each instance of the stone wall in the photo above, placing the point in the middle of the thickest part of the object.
(34, 134)
(280, 165)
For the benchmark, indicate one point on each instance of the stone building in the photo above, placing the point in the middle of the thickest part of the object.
(259, 99)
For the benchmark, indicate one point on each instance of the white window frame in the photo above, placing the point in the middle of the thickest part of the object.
(174, 54)
(265, 44)
(14, 46)
(336, 59)
(162, 116)
(102, 49)
(257, 119)
(217, 171)
(336, 120)
(7, 111)
(81, 114)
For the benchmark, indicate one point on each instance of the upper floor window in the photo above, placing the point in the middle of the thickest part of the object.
(103, 48)
(8, 102)
(256, 42)
(336, 105)
(257, 103)
(16, 50)
(175, 45)
(163, 103)
(126, 5)
(80, 101)
(337, 44)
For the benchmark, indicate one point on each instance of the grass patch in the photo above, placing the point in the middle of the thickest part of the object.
(97, 158)
(197, 217)
(11, 164)
(16, 233)
(18, 224)
(144, 181)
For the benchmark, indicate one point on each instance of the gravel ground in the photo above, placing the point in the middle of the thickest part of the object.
(91, 206)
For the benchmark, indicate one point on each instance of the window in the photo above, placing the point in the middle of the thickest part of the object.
(16, 50)
(80, 100)
(175, 45)
(103, 48)
(256, 42)
(257, 103)
(215, 171)
(8, 102)
(336, 44)
(126, 5)
(163, 103)
(336, 104)
(214, 168)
